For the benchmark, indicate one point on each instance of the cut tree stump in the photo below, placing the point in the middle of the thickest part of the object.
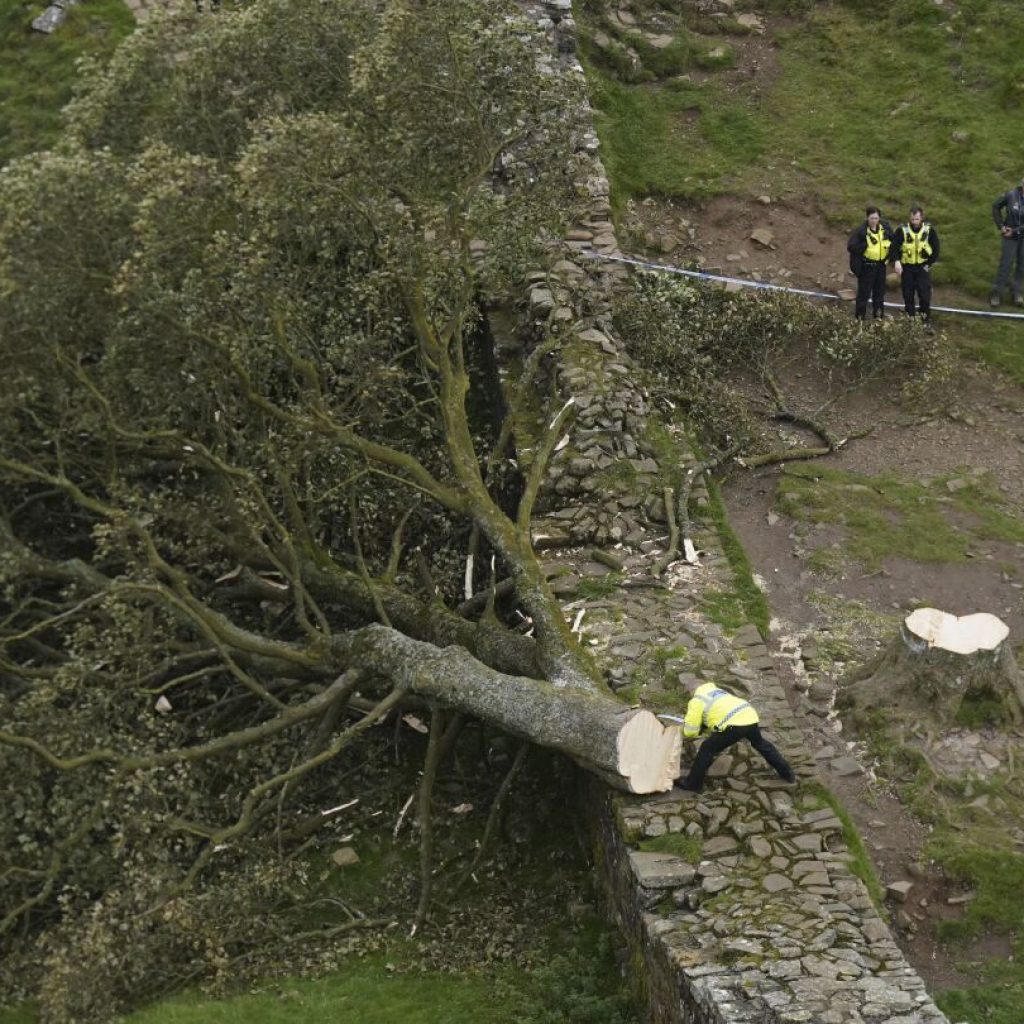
(937, 660)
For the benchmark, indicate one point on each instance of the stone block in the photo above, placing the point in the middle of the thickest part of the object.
(50, 20)
(718, 846)
(660, 870)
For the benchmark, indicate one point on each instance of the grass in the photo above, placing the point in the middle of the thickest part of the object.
(678, 844)
(644, 129)
(988, 864)
(748, 603)
(37, 71)
(365, 991)
(887, 516)
(995, 873)
(996, 343)
(887, 103)
(593, 588)
(578, 985)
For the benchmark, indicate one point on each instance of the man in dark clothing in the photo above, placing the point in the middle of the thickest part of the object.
(725, 719)
(917, 248)
(869, 247)
(1008, 213)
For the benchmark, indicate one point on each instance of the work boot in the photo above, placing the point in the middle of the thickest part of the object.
(994, 299)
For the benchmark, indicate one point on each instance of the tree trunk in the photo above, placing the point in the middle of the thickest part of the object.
(937, 660)
(627, 747)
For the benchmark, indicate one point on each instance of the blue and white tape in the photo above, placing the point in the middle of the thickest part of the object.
(765, 286)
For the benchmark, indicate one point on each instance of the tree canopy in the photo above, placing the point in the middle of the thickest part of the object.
(239, 462)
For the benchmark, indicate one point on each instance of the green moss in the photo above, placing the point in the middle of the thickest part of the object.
(593, 588)
(663, 655)
(725, 607)
(980, 709)
(676, 843)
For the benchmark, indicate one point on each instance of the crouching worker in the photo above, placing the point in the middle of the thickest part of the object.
(726, 719)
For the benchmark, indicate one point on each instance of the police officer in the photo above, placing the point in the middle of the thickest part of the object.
(726, 719)
(917, 245)
(869, 247)
(1008, 213)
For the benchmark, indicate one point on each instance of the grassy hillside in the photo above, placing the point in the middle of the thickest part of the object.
(37, 71)
(837, 104)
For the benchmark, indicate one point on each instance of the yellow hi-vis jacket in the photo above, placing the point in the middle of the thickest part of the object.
(915, 247)
(877, 249)
(716, 708)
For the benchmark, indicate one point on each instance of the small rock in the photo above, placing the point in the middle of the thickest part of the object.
(660, 870)
(964, 897)
(899, 890)
(846, 765)
(344, 857)
(763, 236)
(50, 20)
(719, 846)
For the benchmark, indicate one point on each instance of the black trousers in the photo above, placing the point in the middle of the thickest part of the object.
(1012, 252)
(719, 741)
(870, 284)
(916, 283)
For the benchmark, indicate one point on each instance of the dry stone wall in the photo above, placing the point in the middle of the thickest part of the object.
(754, 915)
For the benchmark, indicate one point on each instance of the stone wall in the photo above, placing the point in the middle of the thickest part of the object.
(753, 914)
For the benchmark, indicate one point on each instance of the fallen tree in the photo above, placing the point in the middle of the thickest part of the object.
(242, 450)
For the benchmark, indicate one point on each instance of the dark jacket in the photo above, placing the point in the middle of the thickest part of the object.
(1008, 210)
(932, 238)
(858, 242)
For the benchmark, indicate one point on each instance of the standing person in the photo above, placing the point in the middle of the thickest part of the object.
(869, 247)
(727, 719)
(917, 245)
(1008, 213)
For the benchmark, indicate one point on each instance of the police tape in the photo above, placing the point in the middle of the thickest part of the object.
(766, 286)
